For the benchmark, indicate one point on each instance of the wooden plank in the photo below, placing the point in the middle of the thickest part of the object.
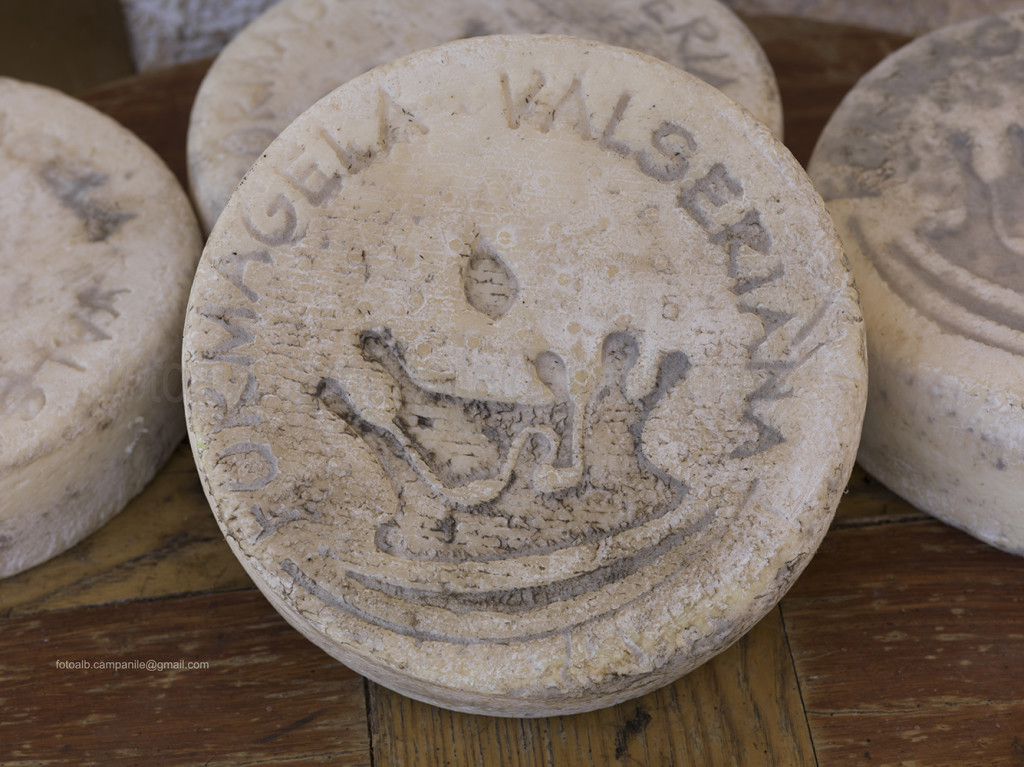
(988, 735)
(868, 502)
(155, 106)
(816, 64)
(266, 695)
(909, 646)
(743, 708)
(407, 732)
(165, 542)
(65, 44)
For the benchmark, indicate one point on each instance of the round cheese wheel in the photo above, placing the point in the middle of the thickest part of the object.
(922, 167)
(300, 50)
(524, 374)
(99, 248)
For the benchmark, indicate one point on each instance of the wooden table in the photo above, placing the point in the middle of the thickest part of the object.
(902, 643)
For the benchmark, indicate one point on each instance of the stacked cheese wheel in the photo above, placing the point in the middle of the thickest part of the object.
(524, 374)
(923, 169)
(98, 253)
(301, 49)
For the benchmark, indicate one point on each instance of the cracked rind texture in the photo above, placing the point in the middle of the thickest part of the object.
(300, 50)
(922, 167)
(99, 248)
(524, 374)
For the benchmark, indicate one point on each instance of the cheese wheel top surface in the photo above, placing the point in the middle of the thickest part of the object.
(922, 167)
(99, 248)
(524, 373)
(300, 50)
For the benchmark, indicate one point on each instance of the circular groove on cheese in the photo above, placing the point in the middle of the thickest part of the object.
(923, 169)
(301, 49)
(524, 373)
(99, 248)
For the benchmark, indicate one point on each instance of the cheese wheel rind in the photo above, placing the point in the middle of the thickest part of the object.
(99, 250)
(922, 168)
(524, 374)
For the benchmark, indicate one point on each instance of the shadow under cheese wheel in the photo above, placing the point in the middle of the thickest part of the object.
(524, 374)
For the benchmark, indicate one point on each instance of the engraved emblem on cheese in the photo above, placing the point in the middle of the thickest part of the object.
(458, 460)
(490, 287)
(438, 445)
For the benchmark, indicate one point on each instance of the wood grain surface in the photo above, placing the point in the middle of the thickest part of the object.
(741, 708)
(902, 643)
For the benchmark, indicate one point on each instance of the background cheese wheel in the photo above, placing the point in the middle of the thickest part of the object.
(524, 374)
(301, 49)
(906, 17)
(99, 248)
(922, 167)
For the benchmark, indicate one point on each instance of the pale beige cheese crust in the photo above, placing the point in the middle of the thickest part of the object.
(300, 50)
(524, 374)
(99, 248)
(922, 167)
